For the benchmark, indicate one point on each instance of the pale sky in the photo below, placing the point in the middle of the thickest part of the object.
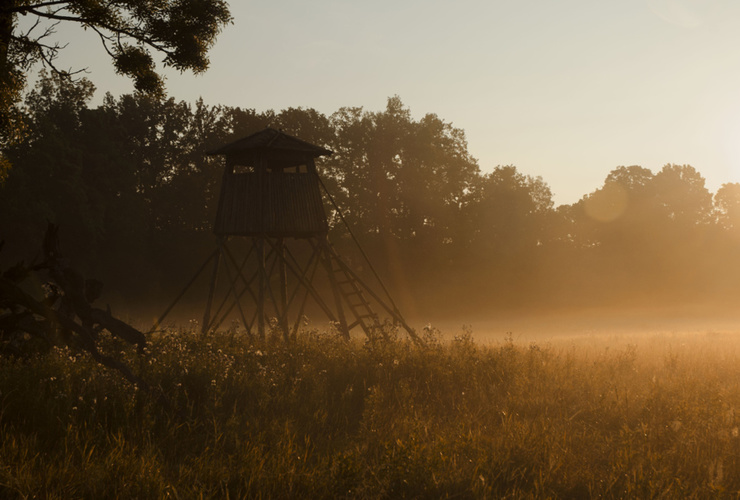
(562, 89)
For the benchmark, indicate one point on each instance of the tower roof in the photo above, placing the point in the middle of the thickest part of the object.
(270, 139)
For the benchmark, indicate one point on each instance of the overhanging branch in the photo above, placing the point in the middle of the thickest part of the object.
(93, 23)
(25, 8)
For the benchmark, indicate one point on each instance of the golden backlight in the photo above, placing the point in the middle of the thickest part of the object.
(606, 205)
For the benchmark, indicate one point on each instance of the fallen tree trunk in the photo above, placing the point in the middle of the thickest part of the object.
(66, 313)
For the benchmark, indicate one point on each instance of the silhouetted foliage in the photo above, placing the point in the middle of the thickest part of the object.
(131, 185)
(132, 32)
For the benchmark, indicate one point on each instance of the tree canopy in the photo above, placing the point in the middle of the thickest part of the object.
(135, 195)
(132, 32)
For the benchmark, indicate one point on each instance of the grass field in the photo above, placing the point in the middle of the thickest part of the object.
(628, 417)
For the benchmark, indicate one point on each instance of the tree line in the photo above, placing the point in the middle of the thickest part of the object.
(134, 193)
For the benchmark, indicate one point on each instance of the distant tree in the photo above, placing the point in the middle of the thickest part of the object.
(682, 196)
(726, 240)
(72, 169)
(636, 210)
(503, 238)
(47, 183)
(727, 205)
(305, 123)
(400, 177)
(617, 215)
(508, 213)
(401, 183)
(241, 122)
(647, 231)
(130, 31)
(153, 128)
(633, 179)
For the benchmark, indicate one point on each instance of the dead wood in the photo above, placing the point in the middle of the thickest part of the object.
(65, 314)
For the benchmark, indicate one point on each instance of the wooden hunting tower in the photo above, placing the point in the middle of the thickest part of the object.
(270, 188)
(271, 204)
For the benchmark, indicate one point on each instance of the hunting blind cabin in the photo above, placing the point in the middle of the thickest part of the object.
(272, 238)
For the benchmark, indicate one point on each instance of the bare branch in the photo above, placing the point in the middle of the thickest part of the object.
(132, 33)
(104, 39)
(26, 8)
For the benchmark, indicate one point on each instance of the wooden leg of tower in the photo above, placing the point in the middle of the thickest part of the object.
(283, 290)
(326, 258)
(211, 292)
(262, 284)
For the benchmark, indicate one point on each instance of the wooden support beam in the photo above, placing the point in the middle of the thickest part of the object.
(307, 283)
(314, 262)
(211, 291)
(394, 312)
(182, 293)
(261, 285)
(326, 258)
(232, 289)
(283, 284)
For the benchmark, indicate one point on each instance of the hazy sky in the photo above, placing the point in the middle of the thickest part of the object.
(563, 89)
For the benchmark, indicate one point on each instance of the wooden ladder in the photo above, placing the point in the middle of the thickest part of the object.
(351, 289)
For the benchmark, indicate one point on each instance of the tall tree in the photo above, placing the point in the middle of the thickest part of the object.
(506, 220)
(727, 205)
(621, 215)
(130, 31)
(508, 212)
(49, 181)
(682, 195)
(400, 177)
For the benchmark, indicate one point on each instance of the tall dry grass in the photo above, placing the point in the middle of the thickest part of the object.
(322, 418)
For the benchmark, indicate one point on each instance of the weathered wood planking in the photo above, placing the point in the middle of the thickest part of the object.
(274, 204)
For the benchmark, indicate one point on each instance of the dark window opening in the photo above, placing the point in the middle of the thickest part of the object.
(296, 169)
(243, 169)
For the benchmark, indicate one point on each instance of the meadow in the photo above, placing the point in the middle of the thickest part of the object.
(654, 416)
